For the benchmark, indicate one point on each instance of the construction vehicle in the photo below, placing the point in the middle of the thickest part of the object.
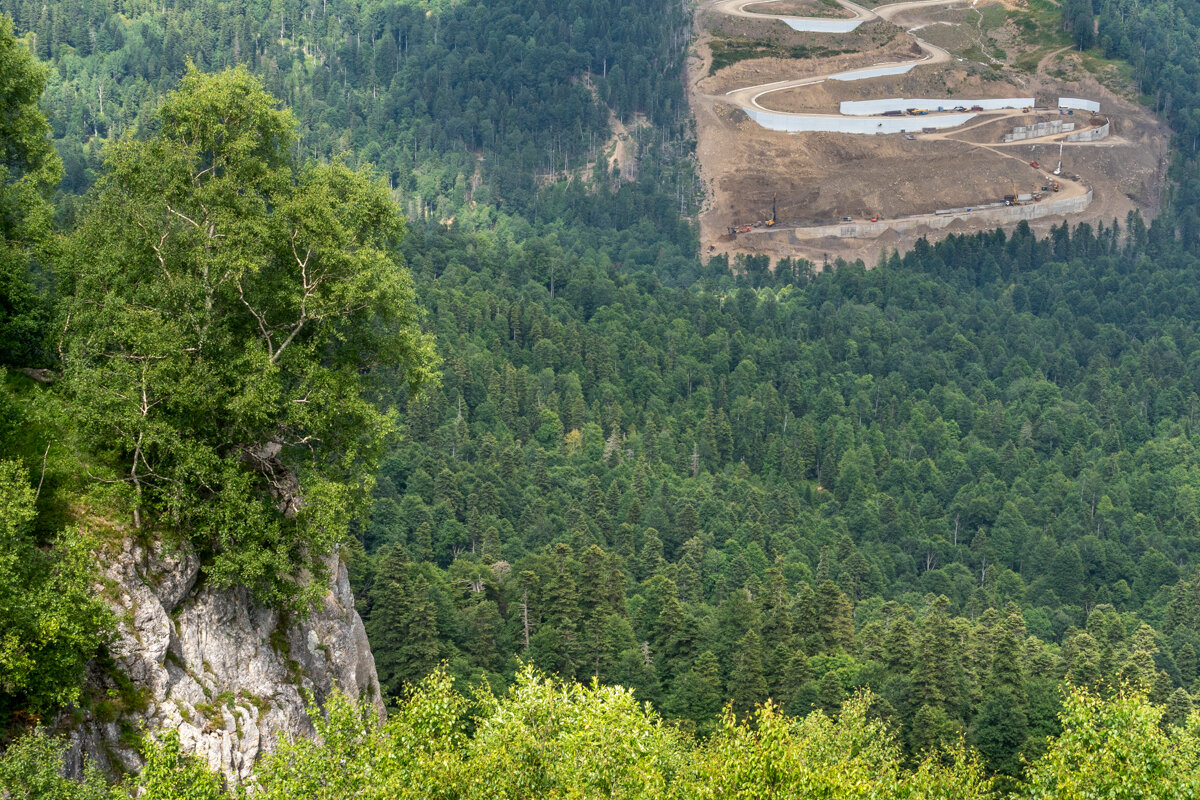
(977, 108)
(744, 229)
(1054, 186)
(771, 221)
(875, 218)
(1058, 169)
(894, 113)
(1033, 164)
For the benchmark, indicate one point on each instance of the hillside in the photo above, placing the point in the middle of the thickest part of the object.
(292, 355)
(780, 131)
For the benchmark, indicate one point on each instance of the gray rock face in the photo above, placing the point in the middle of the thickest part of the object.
(225, 672)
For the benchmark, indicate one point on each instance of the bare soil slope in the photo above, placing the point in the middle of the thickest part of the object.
(820, 178)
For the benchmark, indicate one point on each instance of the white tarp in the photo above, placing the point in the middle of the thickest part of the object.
(802, 123)
(1075, 102)
(871, 72)
(868, 107)
(811, 25)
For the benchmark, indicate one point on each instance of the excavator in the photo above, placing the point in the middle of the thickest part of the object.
(772, 220)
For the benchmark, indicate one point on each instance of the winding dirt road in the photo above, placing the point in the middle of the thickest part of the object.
(747, 97)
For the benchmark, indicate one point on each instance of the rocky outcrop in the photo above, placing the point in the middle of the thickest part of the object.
(227, 673)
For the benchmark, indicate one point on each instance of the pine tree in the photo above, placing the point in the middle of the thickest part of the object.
(937, 679)
(747, 684)
(403, 624)
(1001, 728)
(835, 618)
(830, 693)
(697, 694)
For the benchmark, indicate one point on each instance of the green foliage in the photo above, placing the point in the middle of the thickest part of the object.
(51, 624)
(852, 756)
(1115, 748)
(31, 769)
(551, 738)
(29, 171)
(221, 311)
(729, 51)
(171, 774)
(419, 89)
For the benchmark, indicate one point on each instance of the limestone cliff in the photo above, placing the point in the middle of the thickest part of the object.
(225, 672)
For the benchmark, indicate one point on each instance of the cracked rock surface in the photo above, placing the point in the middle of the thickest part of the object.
(228, 674)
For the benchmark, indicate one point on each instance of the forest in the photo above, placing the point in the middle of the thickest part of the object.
(938, 511)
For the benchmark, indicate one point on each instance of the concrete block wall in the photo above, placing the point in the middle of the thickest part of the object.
(1039, 129)
(1090, 135)
(997, 213)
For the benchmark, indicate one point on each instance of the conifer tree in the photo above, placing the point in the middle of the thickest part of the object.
(747, 685)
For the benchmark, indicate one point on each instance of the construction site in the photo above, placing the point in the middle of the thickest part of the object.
(904, 120)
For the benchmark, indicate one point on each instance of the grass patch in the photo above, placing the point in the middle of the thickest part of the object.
(729, 51)
(994, 16)
(1041, 25)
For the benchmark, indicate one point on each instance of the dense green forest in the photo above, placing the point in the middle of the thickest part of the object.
(918, 499)
(454, 102)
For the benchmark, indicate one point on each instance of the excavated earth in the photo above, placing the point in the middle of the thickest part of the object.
(819, 178)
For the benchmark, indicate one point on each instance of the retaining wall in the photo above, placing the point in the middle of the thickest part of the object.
(1039, 129)
(867, 107)
(992, 212)
(813, 25)
(802, 123)
(872, 72)
(1075, 102)
(1090, 135)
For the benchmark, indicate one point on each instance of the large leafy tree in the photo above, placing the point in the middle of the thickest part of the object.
(226, 312)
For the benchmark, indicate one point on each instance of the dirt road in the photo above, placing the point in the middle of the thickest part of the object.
(748, 99)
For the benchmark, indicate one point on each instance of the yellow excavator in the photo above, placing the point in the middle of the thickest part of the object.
(771, 221)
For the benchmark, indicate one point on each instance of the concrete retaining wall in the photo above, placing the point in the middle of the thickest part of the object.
(992, 212)
(813, 25)
(867, 107)
(1090, 135)
(1039, 129)
(872, 72)
(1075, 102)
(802, 123)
